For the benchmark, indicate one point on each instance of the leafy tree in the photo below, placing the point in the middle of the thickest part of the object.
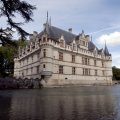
(10, 9)
(116, 73)
(7, 54)
(6, 60)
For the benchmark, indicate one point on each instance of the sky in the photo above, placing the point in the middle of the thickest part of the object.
(98, 18)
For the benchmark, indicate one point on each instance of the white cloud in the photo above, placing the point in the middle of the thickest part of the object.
(111, 39)
(116, 59)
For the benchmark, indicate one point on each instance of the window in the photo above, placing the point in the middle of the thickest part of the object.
(44, 52)
(102, 64)
(88, 61)
(95, 72)
(28, 48)
(61, 43)
(73, 70)
(60, 69)
(83, 71)
(74, 47)
(73, 58)
(103, 72)
(43, 65)
(33, 45)
(31, 69)
(83, 43)
(89, 71)
(85, 61)
(61, 56)
(86, 71)
(94, 62)
(37, 69)
(44, 39)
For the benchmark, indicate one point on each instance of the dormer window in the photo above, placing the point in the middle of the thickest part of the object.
(33, 45)
(83, 43)
(74, 47)
(44, 39)
(28, 48)
(95, 52)
(61, 43)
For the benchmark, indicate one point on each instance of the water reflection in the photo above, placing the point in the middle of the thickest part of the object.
(4, 107)
(61, 104)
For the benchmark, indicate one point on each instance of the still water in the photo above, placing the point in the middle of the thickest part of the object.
(72, 103)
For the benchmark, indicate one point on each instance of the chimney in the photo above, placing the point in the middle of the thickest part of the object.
(70, 30)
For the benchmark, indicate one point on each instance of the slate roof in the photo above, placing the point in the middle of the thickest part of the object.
(106, 52)
(55, 33)
(91, 46)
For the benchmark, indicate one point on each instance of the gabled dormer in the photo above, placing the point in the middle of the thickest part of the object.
(82, 40)
(74, 45)
(102, 53)
(62, 41)
(95, 52)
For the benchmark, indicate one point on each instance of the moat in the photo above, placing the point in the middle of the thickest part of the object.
(71, 103)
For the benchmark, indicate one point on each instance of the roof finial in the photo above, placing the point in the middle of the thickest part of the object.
(106, 50)
(47, 18)
(50, 21)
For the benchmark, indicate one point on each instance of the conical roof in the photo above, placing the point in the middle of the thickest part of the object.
(106, 52)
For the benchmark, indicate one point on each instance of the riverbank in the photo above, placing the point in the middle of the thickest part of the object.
(12, 83)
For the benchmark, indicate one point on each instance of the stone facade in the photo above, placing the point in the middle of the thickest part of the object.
(57, 57)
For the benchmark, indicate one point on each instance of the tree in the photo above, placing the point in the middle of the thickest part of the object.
(10, 9)
(7, 54)
(116, 73)
(6, 60)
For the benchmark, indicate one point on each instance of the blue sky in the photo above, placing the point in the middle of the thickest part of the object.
(99, 18)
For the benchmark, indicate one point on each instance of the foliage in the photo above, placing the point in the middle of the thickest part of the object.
(10, 9)
(7, 53)
(116, 73)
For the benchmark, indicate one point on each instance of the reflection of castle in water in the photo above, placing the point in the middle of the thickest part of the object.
(5, 104)
(49, 106)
